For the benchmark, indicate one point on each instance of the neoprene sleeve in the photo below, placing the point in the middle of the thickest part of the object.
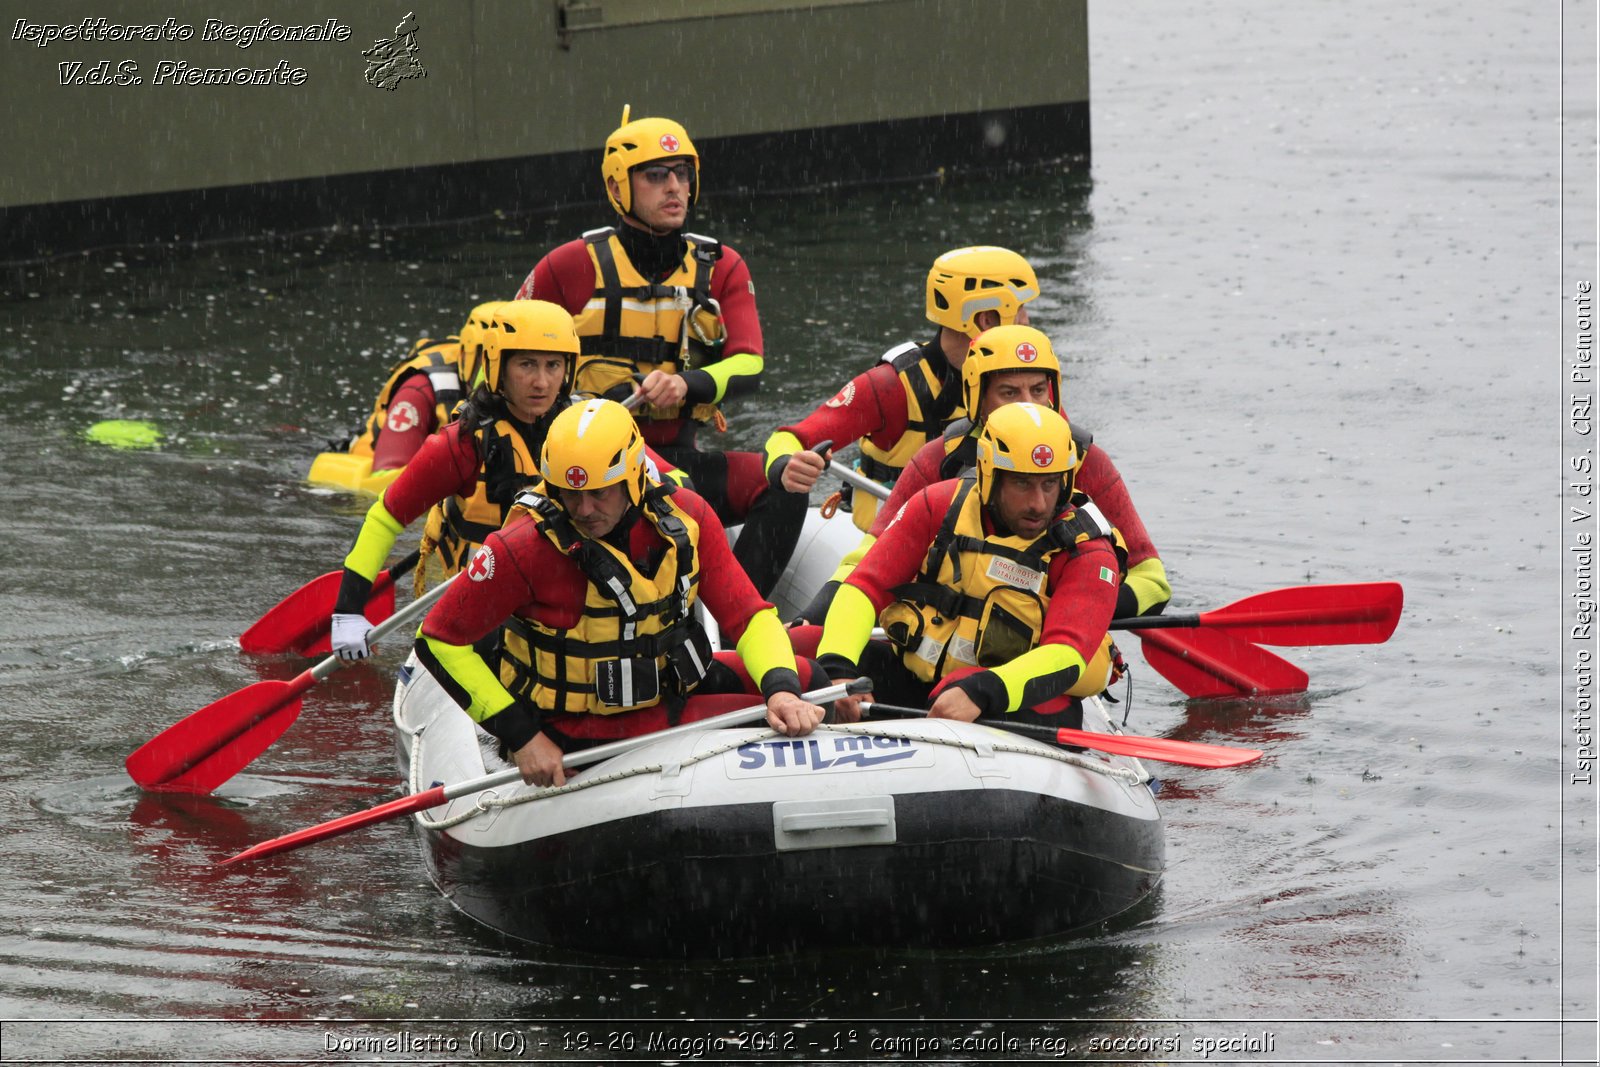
(379, 532)
(1039, 675)
(463, 674)
(1148, 582)
(739, 365)
(781, 443)
(848, 627)
(764, 646)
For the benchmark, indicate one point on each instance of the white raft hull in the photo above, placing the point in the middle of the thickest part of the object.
(728, 843)
(823, 543)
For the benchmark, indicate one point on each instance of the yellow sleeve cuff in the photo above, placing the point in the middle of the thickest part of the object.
(471, 675)
(373, 544)
(764, 645)
(851, 558)
(1036, 664)
(746, 364)
(780, 444)
(1148, 580)
(848, 626)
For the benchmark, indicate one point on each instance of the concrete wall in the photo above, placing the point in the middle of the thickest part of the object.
(503, 82)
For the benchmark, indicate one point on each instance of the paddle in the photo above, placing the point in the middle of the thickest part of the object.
(857, 479)
(1353, 613)
(299, 622)
(200, 752)
(1213, 663)
(1210, 663)
(439, 794)
(1161, 749)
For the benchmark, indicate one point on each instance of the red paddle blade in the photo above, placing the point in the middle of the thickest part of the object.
(199, 753)
(1162, 749)
(295, 621)
(1349, 614)
(430, 798)
(1214, 663)
(299, 622)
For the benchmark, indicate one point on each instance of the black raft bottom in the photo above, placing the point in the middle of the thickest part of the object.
(968, 868)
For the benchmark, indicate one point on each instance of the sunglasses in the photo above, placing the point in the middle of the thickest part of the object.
(657, 173)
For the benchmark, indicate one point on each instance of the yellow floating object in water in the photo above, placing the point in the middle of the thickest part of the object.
(378, 481)
(124, 433)
(340, 470)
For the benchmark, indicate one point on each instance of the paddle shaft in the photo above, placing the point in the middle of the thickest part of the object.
(408, 614)
(1161, 749)
(165, 760)
(1211, 663)
(400, 568)
(1338, 614)
(857, 479)
(440, 794)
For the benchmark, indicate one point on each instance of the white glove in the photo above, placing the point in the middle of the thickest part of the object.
(349, 636)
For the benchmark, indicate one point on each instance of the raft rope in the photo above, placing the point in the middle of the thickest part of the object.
(489, 800)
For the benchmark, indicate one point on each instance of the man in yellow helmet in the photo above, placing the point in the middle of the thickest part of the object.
(914, 391)
(672, 315)
(1010, 364)
(598, 571)
(420, 393)
(995, 591)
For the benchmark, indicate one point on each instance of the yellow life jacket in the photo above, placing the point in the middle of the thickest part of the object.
(933, 400)
(441, 362)
(507, 463)
(979, 599)
(637, 643)
(632, 325)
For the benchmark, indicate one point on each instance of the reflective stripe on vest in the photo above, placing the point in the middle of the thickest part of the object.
(979, 599)
(632, 325)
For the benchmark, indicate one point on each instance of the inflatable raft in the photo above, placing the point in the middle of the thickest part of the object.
(738, 842)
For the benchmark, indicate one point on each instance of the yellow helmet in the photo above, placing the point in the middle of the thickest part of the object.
(982, 278)
(474, 339)
(1006, 348)
(529, 326)
(1025, 439)
(592, 445)
(644, 141)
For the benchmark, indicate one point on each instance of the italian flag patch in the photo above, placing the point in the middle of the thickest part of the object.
(1108, 576)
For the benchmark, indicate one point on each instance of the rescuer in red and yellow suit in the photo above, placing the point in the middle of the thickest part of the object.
(995, 591)
(1008, 364)
(913, 393)
(595, 578)
(421, 393)
(672, 315)
(469, 473)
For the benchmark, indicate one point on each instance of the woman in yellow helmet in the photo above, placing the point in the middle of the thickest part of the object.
(474, 468)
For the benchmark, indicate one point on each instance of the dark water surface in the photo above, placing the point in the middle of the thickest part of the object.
(1310, 299)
